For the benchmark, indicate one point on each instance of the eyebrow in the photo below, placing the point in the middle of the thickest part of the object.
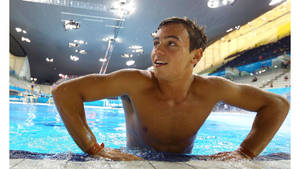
(170, 36)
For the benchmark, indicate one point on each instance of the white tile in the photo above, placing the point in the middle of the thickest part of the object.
(98, 164)
(245, 164)
(13, 162)
(41, 164)
(130, 165)
(170, 165)
(280, 164)
(207, 164)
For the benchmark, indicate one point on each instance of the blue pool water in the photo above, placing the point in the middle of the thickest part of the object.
(39, 128)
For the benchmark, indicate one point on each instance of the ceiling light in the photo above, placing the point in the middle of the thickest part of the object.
(213, 3)
(274, 2)
(74, 58)
(81, 42)
(121, 8)
(135, 47)
(18, 29)
(108, 38)
(130, 7)
(126, 55)
(219, 3)
(25, 39)
(111, 38)
(73, 44)
(138, 51)
(49, 59)
(102, 59)
(83, 52)
(71, 24)
(24, 31)
(229, 30)
(118, 40)
(130, 62)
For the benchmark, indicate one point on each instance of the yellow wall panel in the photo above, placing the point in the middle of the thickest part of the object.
(284, 30)
(267, 28)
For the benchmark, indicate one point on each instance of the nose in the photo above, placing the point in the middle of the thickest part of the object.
(159, 50)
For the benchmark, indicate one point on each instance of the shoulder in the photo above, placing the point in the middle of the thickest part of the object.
(124, 79)
(133, 78)
(212, 81)
(215, 85)
(132, 74)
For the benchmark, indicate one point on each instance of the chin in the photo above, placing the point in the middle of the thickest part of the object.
(162, 75)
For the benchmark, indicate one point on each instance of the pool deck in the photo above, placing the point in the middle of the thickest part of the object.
(145, 164)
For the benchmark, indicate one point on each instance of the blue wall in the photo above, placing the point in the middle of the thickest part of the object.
(255, 66)
(248, 68)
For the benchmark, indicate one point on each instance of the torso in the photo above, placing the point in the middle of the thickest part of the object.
(163, 124)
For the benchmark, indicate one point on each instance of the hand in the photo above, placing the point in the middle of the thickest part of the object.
(116, 154)
(223, 156)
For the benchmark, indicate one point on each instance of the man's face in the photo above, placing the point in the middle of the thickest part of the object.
(170, 55)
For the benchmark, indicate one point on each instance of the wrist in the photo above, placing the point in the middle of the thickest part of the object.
(245, 152)
(95, 148)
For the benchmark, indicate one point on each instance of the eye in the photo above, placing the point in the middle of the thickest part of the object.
(155, 43)
(171, 43)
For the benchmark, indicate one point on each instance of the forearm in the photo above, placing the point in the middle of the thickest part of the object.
(70, 107)
(267, 122)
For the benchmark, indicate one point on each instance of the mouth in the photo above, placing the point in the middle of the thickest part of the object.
(158, 63)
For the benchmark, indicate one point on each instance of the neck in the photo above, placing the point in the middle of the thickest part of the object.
(176, 89)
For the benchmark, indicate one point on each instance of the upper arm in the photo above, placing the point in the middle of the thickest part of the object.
(246, 96)
(95, 86)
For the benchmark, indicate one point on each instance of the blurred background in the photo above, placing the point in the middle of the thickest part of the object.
(52, 40)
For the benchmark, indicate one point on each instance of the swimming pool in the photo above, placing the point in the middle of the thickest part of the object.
(39, 128)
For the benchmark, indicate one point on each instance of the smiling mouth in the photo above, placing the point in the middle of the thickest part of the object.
(158, 63)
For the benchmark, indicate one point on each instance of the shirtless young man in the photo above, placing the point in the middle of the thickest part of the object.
(168, 105)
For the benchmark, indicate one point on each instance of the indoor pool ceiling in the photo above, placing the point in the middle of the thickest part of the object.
(46, 41)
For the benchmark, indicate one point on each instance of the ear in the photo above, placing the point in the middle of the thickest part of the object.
(198, 53)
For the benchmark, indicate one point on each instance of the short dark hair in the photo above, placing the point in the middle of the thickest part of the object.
(198, 38)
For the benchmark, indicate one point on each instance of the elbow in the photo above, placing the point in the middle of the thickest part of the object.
(65, 91)
(282, 104)
(285, 104)
(58, 90)
(55, 89)
(276, 104)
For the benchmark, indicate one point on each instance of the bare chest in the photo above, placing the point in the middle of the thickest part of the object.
(167, 121)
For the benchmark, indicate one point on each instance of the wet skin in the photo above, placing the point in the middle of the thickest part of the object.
(162, 124)
(165, 107)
